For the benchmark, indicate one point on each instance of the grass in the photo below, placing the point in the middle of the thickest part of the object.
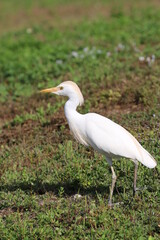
(50, 186)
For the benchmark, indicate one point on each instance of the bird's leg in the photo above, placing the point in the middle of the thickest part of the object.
(114, 178)
(135, 179)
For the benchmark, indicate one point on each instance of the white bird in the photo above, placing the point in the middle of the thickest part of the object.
(102, 134)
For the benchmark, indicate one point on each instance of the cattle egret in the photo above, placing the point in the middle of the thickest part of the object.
(102, 134)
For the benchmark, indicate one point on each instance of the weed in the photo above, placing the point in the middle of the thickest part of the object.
(50, 186)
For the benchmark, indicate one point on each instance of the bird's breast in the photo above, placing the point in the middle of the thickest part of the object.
(76, 123)
(78, 134)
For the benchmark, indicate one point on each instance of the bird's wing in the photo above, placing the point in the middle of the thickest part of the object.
(111, 139)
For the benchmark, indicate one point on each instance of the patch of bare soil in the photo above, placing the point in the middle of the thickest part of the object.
(31, 131)
(12, 133)
(10, 109)
(118, 110)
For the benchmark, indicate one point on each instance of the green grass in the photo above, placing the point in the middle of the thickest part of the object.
(42, 168)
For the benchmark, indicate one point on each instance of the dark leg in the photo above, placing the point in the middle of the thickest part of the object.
(114, 178)
(135, 179)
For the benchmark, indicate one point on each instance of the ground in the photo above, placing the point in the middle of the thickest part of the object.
(51, 187)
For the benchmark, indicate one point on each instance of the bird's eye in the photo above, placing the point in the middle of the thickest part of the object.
(61, 88)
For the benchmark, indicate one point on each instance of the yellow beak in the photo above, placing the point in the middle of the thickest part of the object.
(49, 90)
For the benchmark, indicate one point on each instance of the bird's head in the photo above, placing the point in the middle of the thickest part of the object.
(69, 89)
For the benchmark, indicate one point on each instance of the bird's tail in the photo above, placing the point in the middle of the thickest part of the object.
(147, 160)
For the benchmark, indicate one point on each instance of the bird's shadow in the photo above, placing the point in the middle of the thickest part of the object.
(69, 188)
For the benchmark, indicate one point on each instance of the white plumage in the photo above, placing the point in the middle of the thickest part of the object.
(104, 135)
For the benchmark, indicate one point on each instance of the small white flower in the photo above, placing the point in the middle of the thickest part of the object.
(120, 47)
(108, 54)
(148, 59)
(153, 57)
(141, 59)
(154, 115)
(59, 61)
(86, 49)
(74, 54)
(29, 30)
(77, 196)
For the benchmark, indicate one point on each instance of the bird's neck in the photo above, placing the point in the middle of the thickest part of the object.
(71, 104)
(70, 109)
(75, 121)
